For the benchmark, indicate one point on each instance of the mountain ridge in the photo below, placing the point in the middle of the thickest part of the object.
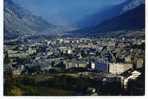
(109, 13)
(19, 21)
(132, 19)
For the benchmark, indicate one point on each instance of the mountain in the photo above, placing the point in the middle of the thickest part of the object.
(129, 19)
(19, 21)
(131, 4)
(96, 18)
(109, 12)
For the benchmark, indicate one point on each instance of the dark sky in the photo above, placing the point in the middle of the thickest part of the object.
(65, 12)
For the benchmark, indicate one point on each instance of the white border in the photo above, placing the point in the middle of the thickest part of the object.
(146, 55)
(108, 97)
(1, 47)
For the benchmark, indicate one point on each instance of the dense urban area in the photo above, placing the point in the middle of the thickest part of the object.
(62, 66)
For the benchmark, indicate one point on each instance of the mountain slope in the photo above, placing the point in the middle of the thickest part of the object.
(131, 19)
(131, 4)
(99, 17)
(109, 13)
(18, 21)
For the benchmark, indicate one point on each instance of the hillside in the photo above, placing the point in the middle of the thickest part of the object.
(19, 21)
(109, 13)
(130, 20)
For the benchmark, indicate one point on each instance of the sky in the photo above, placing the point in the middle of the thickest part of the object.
(65, 12)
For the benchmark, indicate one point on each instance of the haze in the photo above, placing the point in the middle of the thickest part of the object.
(65, 12)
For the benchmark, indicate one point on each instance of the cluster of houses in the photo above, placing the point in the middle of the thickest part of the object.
(113, 56)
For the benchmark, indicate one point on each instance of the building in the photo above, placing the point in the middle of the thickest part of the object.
(119, 68)
(128, 59)
(140, 63)
(75, 64)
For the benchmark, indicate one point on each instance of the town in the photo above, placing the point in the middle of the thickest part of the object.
(108, 66)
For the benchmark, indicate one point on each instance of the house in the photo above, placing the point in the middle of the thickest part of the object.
(119, 68)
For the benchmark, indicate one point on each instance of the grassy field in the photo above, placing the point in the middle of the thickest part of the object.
(62, 84)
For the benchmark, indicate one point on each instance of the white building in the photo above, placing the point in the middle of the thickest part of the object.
(75, 64)
(119, 68)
